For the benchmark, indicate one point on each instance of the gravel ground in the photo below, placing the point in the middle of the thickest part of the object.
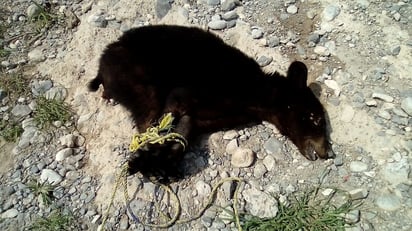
(359, 52)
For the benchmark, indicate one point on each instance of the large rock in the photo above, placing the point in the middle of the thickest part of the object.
(259, 203)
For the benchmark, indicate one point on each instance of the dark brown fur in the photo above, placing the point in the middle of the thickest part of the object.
(206, 85)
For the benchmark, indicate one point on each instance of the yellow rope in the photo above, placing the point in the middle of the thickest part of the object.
(120, 176)
(178, 207)
(154, 135)
(121, 179)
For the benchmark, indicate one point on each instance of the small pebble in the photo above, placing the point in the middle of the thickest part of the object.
(242, 158)
(406, 105)
(264, 60)
(381, 96)
(11, 213)
(273, 41)
(328, 191)
(357, 166)
(353, 216)
(371, 103)
(232, 146)
(231, 134)
(330, 12)
(292, 9)
(357, 194)
(217, 24)
(231, 15)
(257, 33)
(395, 50)
(321, 50)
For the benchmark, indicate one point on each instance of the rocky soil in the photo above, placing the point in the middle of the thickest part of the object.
(359, 52)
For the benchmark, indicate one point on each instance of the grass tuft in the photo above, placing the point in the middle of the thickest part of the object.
(43, 190)
(44, 19)
(3, 29)
(3, 52)
(10, 131)
(304, 212)
(56, 221)
(49, 110)
(15, 85)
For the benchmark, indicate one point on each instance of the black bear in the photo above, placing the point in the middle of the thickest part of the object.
(207, 85)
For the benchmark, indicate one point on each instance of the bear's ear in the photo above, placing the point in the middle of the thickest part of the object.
(298, 74)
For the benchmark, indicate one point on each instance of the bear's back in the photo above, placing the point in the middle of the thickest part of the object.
(182, 56)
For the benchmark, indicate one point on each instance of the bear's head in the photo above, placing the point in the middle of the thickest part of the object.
(300, 116)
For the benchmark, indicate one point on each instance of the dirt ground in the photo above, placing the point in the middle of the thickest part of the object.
(105, 126)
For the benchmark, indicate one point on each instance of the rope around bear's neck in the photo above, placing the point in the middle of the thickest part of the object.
(159, 134)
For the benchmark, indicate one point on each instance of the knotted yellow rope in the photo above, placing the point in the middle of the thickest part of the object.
(157, 134)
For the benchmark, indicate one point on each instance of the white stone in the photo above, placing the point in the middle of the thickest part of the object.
(269, 162)
(259, 170)
(321, 50)
(328, 191)
(357, 166)
(242, 157)
(371, 103)
(332, 84)
(370, 173)
(358, 194)
(11, 213)
(352, 216)
(50, 176)
(36, 55)
(259, 203)
(217, 24)
(33, 10)
(257, 33)
(229, 135)
(384, 97)
(202, 188)
(68, 140)
(231, 146)
(384, 114)
(292, 9)
(330, 12)
(406, 105)
(63, 154)
(21, 110)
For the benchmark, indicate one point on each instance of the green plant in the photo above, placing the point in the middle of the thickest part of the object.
(3, 52)
(43, 190)
(304, 212)
(10, 131)
(50, 110)
(15, 84)
(3, 29)
(56, 221)
(43, 19)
